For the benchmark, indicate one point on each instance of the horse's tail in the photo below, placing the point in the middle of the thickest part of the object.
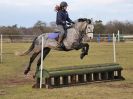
(28, 51)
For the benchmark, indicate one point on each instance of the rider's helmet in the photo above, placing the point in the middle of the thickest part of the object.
(63, 4)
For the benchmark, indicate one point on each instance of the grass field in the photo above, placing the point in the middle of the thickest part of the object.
(15, 85)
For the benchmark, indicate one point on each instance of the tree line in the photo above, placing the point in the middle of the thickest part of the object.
(125, 27)
(41, 27)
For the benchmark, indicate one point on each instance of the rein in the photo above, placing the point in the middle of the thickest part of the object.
(82, 34)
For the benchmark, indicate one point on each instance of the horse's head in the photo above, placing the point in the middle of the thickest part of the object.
(84, 26)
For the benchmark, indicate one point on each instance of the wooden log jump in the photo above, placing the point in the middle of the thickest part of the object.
(77, 75)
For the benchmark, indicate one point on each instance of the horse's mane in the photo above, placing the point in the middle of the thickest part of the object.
(84, 19)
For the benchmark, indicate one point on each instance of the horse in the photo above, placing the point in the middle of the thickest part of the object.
(72, 41)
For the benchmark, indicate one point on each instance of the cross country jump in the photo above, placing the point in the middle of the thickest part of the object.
(73, 41)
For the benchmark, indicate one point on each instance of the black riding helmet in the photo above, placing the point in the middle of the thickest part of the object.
(63, 4)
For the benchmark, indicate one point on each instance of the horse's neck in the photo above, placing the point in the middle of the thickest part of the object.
(72, 35)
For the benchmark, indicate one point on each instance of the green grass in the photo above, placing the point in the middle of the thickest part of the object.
(14, 85)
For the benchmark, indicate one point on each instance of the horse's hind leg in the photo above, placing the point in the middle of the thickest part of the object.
(32, 58)
(45, 53)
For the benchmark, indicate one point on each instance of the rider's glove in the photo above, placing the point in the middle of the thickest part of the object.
(73, 22)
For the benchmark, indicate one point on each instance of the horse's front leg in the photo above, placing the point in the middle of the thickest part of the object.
(84, 47)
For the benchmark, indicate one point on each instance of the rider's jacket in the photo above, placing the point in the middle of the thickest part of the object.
(62, 17)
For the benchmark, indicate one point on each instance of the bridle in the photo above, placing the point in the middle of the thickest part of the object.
(85, 32)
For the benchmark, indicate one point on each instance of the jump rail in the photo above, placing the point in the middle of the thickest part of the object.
(77, 75)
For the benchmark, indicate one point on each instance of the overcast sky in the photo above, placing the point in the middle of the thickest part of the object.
(27, 12)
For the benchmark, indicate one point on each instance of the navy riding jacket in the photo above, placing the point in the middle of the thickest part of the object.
(62, 17)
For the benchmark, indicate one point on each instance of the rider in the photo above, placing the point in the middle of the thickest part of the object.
(61, 19)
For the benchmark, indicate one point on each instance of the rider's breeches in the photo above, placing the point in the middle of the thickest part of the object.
(62, 30)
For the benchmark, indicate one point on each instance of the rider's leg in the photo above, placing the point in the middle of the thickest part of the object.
(60, 38)
(61, 35)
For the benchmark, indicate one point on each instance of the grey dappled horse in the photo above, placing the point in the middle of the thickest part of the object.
(72, 41)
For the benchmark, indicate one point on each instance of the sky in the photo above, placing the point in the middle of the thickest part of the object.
(27, 12)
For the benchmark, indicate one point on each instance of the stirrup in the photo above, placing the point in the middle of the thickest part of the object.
(59, 45)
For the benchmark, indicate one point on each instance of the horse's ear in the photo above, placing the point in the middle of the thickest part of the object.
(84, 19)
(80, 20)
(89, 21)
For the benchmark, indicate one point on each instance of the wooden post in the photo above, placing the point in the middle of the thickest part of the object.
(104, 76)
(114, 49)
(119, 74)
(73, 79)
(89, 77)
(48, 82)
(65, 80)
(111, 75)
(96, 76)
(41, 68)
(81, 78)
(1, 48)
(57, 81)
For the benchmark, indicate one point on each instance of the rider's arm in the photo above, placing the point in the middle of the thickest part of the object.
(68, 19)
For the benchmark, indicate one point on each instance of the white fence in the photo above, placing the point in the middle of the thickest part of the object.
(96, 38)
(18, 38)
(29, 39)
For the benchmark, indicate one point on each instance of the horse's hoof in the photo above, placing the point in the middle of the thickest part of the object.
(38, 86)
(26, 72)
(35, 86)
(86, 53)
(82, 56)
(34, 76)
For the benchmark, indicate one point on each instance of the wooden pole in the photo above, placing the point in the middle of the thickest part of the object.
(1, 48)
(41, 68)
(114, 49)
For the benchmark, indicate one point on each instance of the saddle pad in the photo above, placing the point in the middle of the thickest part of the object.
(53, 35)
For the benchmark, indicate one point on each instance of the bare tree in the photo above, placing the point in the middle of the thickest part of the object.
(53, 24)
(99, 27)
(40, 24)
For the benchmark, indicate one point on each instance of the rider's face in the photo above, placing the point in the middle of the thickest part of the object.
(65, 8)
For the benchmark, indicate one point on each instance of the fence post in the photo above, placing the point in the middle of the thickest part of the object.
(98, 38)
(41, 68)
(114, 51)
(1, 48)
(118, 36)
(109, 37)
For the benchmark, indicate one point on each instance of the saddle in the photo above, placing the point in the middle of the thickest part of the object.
(55, 35)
